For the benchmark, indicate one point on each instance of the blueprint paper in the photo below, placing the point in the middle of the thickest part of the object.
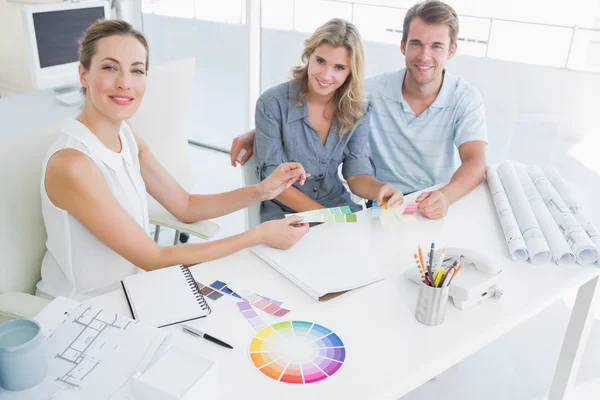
(560, 249)
(92, 354)
(510, 227)
(576, 237)
(539, 252)
(566, 193)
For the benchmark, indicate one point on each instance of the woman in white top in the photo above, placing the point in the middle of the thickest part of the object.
(96, 176)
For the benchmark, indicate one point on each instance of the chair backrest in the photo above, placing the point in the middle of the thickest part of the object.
(163, 122)
(162, 118)
(249, 177)
(22, 230)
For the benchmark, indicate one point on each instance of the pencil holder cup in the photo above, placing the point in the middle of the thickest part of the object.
(22, 356)
(431, 304)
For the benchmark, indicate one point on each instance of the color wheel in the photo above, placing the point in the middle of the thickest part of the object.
(297, 352)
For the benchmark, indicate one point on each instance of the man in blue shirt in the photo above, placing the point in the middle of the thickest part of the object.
(420, 115)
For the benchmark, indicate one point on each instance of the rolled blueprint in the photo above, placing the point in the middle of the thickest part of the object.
(580, 243)
(561, 251)
(565, 192)
(510, 227)
(539, 252)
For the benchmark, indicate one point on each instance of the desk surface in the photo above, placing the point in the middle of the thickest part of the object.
(389, 352)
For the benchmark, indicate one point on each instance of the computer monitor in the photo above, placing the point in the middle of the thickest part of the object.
(52, 32)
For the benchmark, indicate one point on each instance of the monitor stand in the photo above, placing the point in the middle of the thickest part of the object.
(68, 95)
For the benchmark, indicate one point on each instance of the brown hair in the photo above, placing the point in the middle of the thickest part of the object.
(349, 99)
(432, 12)
(105, 28)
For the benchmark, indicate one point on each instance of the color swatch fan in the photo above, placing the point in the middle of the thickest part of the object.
(297, 352)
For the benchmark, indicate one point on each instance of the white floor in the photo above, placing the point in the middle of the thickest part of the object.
(518, 366)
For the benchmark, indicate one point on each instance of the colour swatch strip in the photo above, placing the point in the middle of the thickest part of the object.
(297, 352)
(253, 318)
(225, 288)
(376, 210)
(410, 209)
(260, 302)
(222, 287)
(209, 292)
(334, 214)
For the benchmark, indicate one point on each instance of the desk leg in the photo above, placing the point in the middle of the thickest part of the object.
(574, 342)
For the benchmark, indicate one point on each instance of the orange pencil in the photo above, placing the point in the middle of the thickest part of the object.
(421, 257)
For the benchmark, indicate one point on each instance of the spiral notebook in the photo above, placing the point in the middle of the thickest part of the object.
(165, 297)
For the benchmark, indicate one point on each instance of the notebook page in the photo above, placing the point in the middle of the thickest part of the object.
(163, 297)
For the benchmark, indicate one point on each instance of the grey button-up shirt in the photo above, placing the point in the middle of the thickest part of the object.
(283, 134)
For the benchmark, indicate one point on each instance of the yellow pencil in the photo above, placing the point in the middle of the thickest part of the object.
(438, 277)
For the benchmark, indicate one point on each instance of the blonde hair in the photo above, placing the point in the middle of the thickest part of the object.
(349, 99)
(432, 12)
(105, 28)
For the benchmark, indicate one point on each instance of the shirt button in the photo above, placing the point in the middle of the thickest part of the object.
(323, 161)
(315, 190)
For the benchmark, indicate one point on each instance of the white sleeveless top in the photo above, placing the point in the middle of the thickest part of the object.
(77, 264)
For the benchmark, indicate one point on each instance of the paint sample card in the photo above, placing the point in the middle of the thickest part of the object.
(209, 292)
(410, 209)
(222, 287)
(297, 352)
(265, 304)
(335, 215)
(253, 318)
(376, 210)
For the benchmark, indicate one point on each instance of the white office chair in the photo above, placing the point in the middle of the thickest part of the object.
(162, 120)
(22, 232)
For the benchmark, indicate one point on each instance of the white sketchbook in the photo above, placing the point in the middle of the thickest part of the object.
(164, 297)
(330, 260)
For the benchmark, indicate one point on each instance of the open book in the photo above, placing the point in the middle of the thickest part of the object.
(330, 260)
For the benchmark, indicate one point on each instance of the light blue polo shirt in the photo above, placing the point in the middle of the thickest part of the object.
(412, 153)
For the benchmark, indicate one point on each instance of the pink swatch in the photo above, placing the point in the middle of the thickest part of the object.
(410, 209)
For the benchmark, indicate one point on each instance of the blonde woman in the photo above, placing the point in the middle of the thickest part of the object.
(96, 176)
(319, 120)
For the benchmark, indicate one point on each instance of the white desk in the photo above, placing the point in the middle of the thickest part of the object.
(386, 356)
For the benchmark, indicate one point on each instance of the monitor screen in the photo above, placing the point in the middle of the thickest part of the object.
(57, 33)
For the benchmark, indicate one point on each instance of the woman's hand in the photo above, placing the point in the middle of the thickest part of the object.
(282, 233)
(282, 178)
(393, 195)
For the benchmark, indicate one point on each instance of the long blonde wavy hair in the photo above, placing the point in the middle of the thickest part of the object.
(349, 99)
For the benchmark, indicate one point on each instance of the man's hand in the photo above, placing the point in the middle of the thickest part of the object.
(433, 205)
(393, 195)
(282, 178)
(242, 142)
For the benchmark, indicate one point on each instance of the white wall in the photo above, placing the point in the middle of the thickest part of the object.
(14, 66)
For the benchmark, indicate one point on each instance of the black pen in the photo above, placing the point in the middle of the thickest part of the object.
(196, 332)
